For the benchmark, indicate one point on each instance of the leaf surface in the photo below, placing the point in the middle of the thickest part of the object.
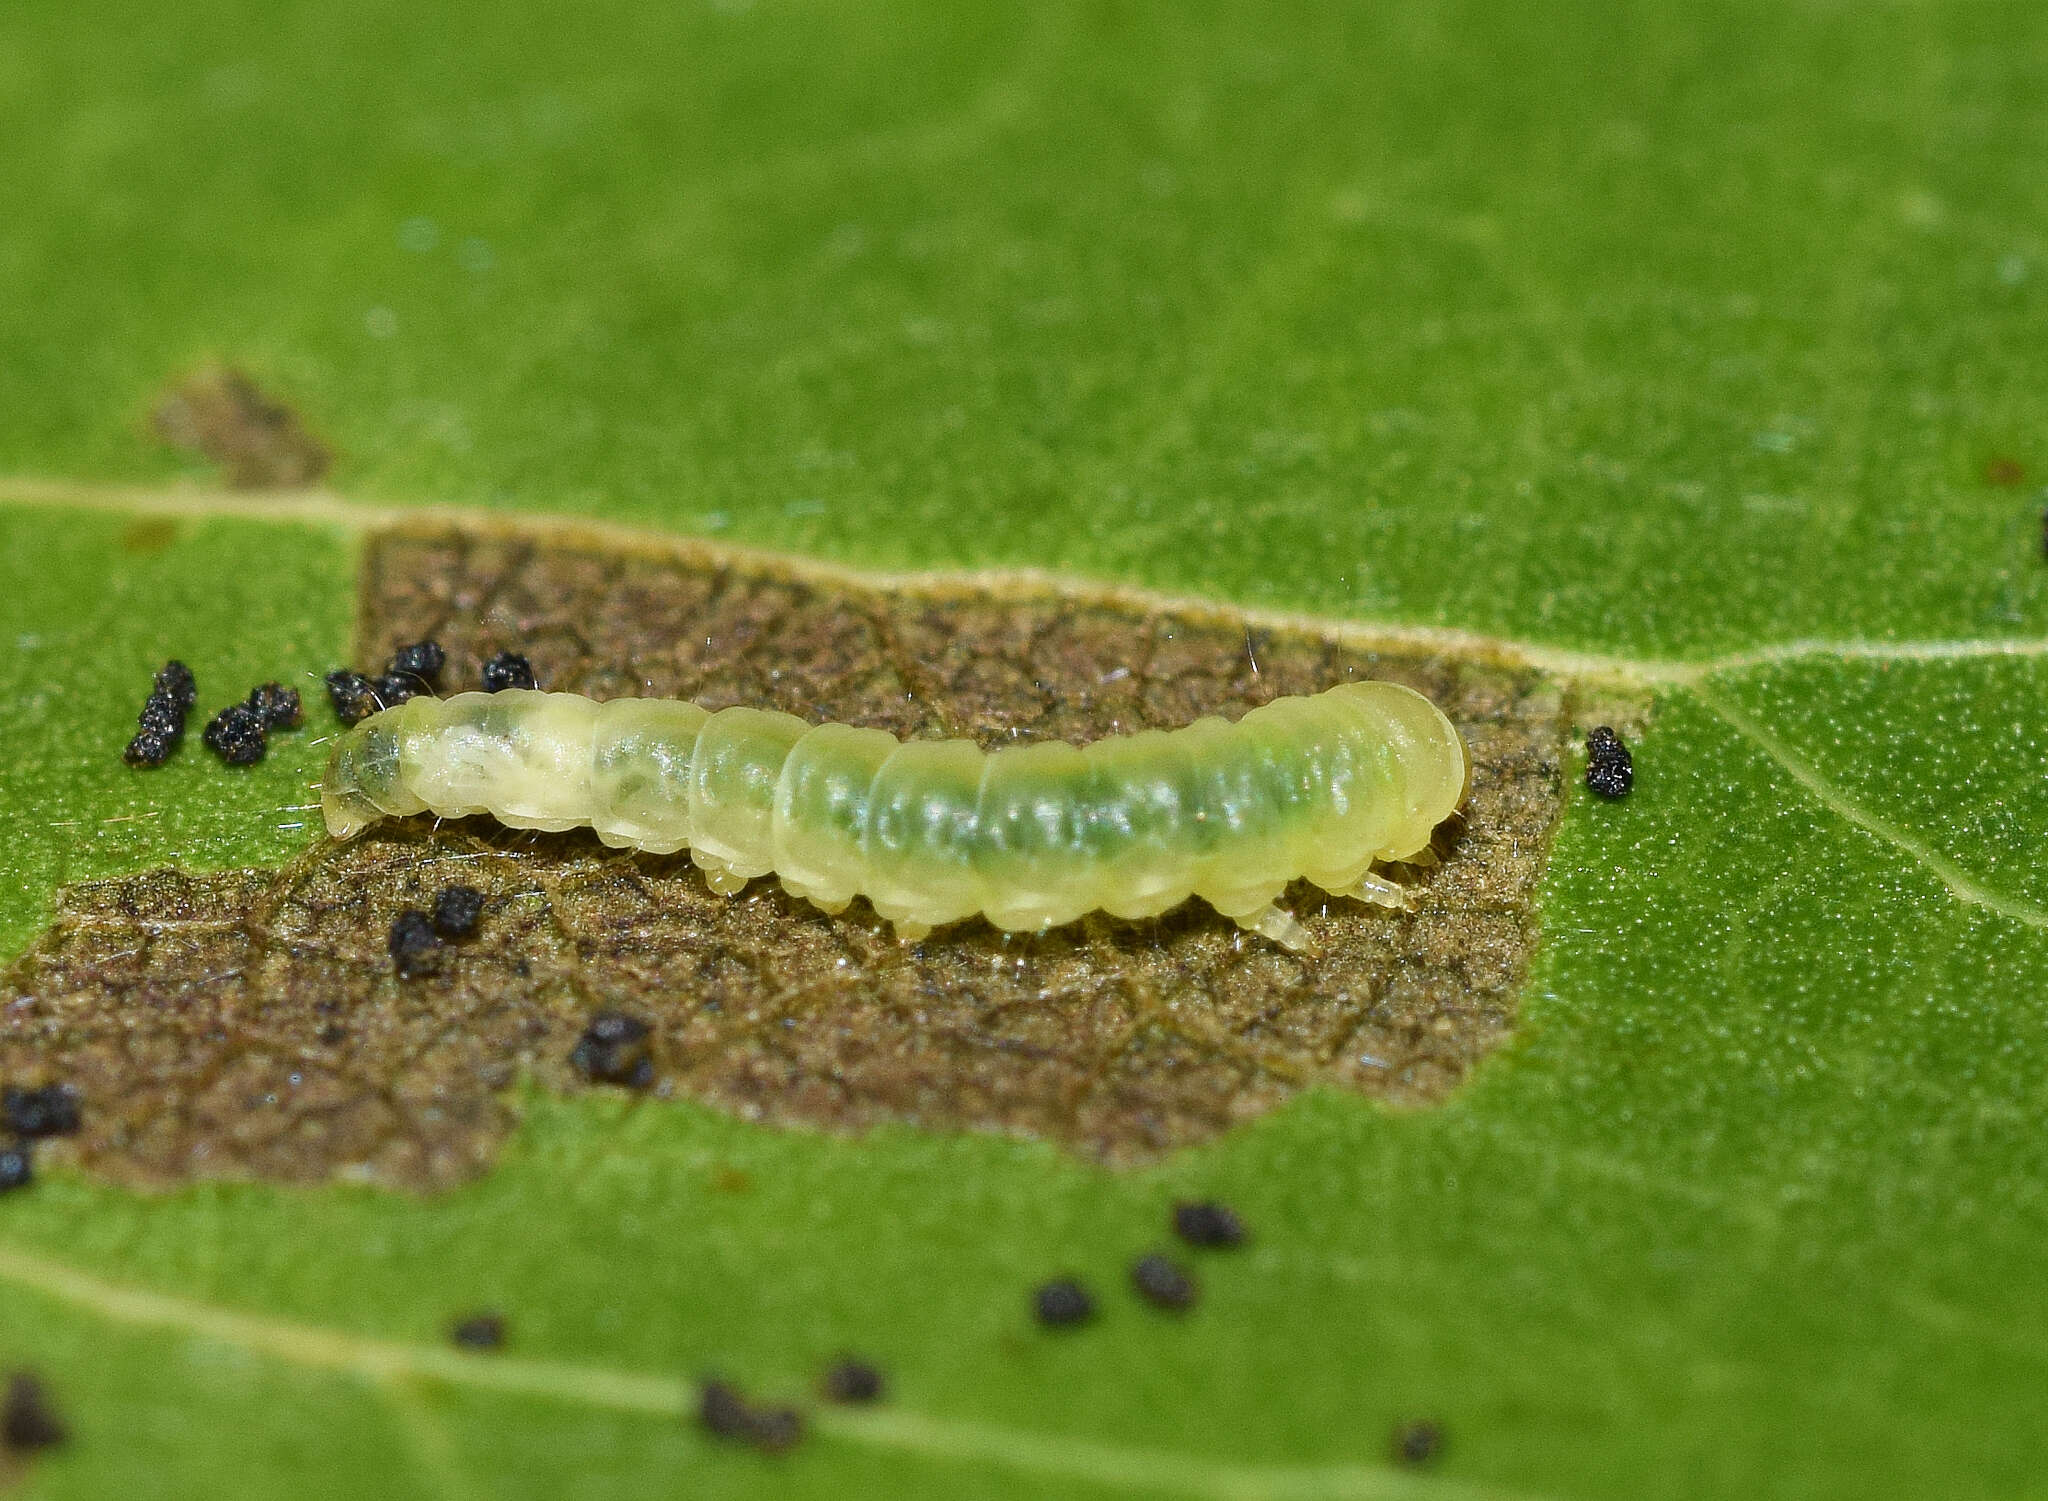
(1696, 350)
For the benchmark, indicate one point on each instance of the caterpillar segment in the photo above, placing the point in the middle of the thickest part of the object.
(932, 832)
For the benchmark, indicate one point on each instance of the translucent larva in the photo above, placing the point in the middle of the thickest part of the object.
(934, 831)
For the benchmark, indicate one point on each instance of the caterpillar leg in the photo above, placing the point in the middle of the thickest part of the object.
(719, 876)
(1381, 892)
(908, 933)
(825, 902)
(1271, 922)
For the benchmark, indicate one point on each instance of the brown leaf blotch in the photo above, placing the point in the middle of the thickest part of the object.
(258, 442)
(251, 1023)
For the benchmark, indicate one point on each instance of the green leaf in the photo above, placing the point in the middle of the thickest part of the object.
(1692, 350)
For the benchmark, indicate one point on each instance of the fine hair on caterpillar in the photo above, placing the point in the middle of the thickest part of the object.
(1321, 787)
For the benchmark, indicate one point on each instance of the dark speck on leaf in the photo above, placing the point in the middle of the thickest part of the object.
(1062, 1303)
(420, 664)
(613, 1050)
(174, 682)
(413, 944)
(456, 910)
(507, 670)
(1163, 1282)
(277, 706)
(149, 534)
(1419, 1442)
(479, 1331)
(27, 1420)
(394, 688)
(852, 1380)
(777, 1428)
(161, 724)
(51, 1110)
(2004, 470)
(1610, 772)
(236, 735)
(162, 719)
(160, 716)
(1208, 1224)
(725, 1413)
(722, 1409)
(354, 696)
(148, 748)
(15, 1169)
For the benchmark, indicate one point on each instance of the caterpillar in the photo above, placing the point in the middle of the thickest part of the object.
(931, 832)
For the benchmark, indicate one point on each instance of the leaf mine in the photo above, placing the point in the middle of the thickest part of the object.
(252, 1024)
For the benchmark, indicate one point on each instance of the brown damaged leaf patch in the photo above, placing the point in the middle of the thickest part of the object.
(250, 1023)
(258, 442)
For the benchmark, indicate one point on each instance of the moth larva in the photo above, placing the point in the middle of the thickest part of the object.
(933, 831)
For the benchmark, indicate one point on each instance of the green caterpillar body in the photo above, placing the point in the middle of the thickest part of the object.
(934, 831)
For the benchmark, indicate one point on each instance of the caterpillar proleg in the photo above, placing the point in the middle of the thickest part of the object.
(935, 831)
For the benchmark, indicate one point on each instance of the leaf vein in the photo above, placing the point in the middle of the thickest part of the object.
(312, 508)
(396, 1366)
(1961, 885)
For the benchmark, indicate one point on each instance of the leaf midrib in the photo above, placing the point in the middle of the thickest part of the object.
(1594, 669)
(321, 508)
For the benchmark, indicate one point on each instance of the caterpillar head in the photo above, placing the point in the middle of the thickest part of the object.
(362, 781)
